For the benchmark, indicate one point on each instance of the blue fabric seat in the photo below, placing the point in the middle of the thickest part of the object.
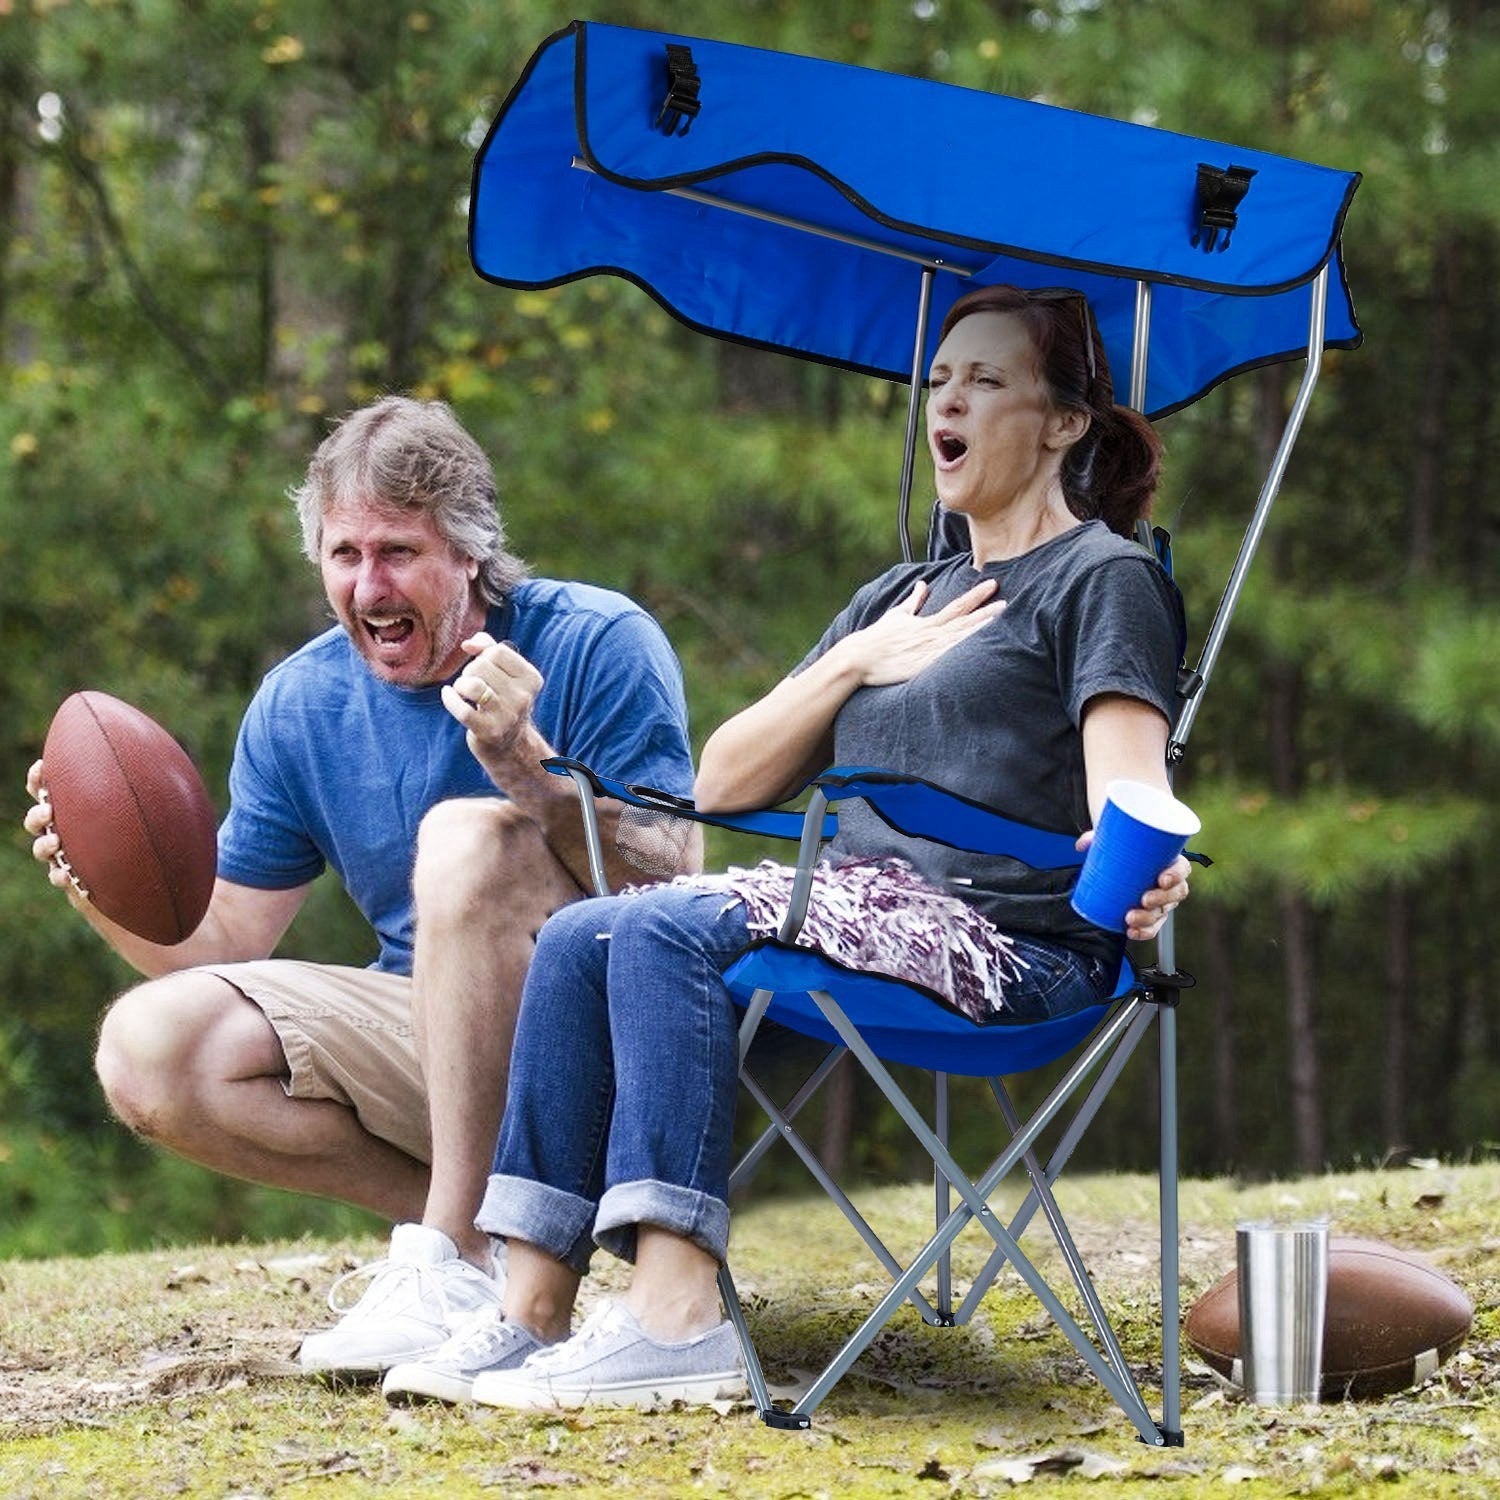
(904, 1024)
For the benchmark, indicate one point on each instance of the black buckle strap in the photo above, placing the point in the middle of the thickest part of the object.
(680, 108)
(1163, 988)
(1220, 190)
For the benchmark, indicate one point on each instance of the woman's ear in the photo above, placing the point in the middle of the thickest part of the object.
(1066, 427)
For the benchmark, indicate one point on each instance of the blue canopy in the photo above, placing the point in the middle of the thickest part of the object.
(696, 169)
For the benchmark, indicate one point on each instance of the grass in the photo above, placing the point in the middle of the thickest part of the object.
(172, 1373)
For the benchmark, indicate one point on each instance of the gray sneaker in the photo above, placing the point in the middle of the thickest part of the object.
(612, 1361)
(419, 1297)
(448, 1373)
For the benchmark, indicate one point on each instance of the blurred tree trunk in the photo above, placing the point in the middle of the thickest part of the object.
(17, 85)
(1219, 959)
(312, 326)
(837, 1135)
(1431, 425)
(1298, 970)
(1393, 1113)
(260, 148)
(1479, 513)
(752, 380)
(1284, 718)
(10, 179)
(1425, 529)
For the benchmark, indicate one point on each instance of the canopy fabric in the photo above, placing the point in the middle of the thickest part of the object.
(581, 173)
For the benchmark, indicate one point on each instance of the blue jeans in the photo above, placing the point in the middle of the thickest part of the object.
(1057, 980)
(625, 1072)
(623, 1078)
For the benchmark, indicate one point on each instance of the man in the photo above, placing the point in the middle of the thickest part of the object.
(401, 747)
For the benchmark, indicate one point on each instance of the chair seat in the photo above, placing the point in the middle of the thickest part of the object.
(902, 1023)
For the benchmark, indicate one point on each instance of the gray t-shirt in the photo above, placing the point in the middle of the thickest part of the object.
(997, 718)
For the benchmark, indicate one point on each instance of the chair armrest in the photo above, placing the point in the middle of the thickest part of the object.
(769, 822)
(924, 810)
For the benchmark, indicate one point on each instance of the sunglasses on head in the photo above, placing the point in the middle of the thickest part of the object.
(1070, 294)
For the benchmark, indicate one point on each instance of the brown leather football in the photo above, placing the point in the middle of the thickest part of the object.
(1391, 1320)
(135, 820)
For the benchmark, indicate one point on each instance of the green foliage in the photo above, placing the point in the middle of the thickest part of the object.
(236, 219)
(1329, 844)
(69, 1194)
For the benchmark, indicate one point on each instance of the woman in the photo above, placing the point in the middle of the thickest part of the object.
(1025, 674)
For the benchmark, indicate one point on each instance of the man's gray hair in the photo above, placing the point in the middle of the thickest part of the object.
(412, 455)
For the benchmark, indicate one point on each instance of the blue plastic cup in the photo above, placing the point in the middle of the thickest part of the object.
(1141, 831)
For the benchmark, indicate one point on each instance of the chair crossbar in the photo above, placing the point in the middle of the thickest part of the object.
(1107, 1365)
(1041, 1190)
(821, 1175)
(781, 1119)
(1062, 1150)
(1113, 1373)
(1119, 1385)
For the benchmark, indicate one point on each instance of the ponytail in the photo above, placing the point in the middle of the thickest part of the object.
(1110, 473)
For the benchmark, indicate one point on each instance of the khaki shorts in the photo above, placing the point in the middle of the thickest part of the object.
(347, 1036)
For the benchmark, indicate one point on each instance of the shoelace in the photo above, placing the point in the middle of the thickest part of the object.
(391, 1272)
(599, 1326)
(481, 1344)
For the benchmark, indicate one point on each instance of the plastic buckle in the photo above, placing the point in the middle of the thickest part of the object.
(1189, 682)
(680, 108)
(1220, 190)
(1163, 988)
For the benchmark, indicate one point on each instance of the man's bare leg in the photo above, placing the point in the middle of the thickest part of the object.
(189, 1063)
(484, 882)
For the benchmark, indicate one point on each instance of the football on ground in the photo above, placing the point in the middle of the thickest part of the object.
(1392, 1319)
(133, 815)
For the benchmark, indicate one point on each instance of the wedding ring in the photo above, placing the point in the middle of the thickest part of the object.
(486, 692)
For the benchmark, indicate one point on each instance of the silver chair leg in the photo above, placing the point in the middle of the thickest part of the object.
(943, 1200)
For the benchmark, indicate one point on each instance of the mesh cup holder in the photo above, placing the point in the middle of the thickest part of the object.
(652, 840)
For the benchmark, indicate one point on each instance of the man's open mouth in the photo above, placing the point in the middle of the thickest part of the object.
(389, 630)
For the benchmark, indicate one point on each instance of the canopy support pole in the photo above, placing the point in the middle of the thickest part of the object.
(914, 411)
(805, 226)
(1269, 490)
(1140, 352)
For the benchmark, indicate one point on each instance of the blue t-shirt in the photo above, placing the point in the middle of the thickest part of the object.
(335, 767)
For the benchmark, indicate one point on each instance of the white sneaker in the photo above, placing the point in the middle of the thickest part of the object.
(613, 1361)
(419, 1296)
(448, 1373)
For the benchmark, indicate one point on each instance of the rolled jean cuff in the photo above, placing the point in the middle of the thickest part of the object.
(695, 1216)
(559, 1223)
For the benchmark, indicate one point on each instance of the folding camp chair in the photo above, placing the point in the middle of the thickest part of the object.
(788, 203)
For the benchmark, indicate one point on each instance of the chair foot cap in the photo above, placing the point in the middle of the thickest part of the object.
(787, 1421)
(1165, 1439)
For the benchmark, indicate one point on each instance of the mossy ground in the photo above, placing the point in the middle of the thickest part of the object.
(171, 1373)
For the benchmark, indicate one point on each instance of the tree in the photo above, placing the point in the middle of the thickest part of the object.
(224, 223)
